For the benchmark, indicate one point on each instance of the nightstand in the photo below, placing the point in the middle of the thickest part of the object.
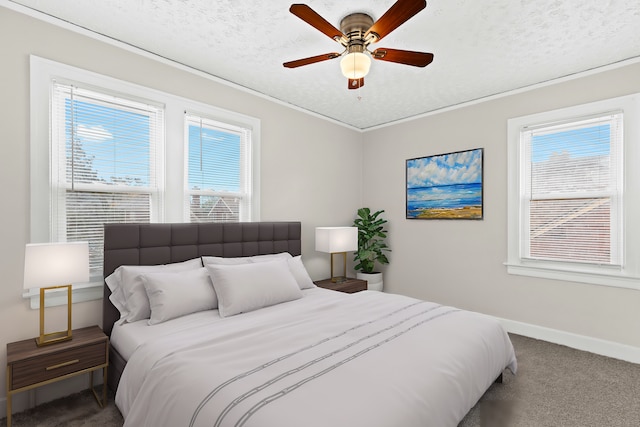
(349, 286)
(30, 366)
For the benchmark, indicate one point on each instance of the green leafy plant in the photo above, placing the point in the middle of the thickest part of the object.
(371, 245)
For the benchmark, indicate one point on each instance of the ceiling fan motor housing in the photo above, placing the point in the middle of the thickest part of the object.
(355, 26)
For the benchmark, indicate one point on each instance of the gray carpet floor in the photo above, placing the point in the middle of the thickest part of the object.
(555, 386)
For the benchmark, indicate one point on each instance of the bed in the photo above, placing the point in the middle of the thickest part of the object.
(319, 358)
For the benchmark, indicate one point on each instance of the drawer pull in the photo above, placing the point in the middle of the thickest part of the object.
(62, 365)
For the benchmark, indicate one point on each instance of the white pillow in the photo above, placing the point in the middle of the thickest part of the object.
(218, 260)
(176, 294)
(208, 260)
(248, 287)
(300, 273)
(271, 257)
(113, 281)
(137, 302)
(297, 269)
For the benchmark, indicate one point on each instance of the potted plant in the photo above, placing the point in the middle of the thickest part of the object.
(371, 247)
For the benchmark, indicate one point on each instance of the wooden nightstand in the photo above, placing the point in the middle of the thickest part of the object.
(349, 286)
(30, 366)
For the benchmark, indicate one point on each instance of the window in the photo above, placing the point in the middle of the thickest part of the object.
(571, 192)
(105, 154)
(219, 182)
(567, 195)
(104, 150)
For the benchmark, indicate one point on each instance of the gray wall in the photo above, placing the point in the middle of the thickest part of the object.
(461, 262)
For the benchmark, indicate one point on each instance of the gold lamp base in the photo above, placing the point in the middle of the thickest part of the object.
(54, 337)
(343, 278)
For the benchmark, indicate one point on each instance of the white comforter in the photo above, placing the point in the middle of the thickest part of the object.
(328, 359)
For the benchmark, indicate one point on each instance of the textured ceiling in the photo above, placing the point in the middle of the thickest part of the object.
(481, 47)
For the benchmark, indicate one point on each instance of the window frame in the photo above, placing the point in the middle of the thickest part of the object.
(246, 157)
(627, 275)
(170, 180)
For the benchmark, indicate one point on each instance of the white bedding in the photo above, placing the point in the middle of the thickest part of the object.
(127, 337)
(327, 359)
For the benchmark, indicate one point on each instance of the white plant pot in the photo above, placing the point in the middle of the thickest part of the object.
(374, 280)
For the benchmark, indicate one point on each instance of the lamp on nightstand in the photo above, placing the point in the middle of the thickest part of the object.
(336, 240)
(50, 266)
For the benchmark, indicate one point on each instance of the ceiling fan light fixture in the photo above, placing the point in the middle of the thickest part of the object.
(355, 65)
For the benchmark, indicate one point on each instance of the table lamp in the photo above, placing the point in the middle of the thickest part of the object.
(336, 240)
(49, 266)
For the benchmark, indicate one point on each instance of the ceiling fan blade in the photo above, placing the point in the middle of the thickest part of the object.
(408, 57)
(356, 83)
(311, 60)
(397, 15)
(312, 18)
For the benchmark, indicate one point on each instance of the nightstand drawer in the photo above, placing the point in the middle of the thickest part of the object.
(49, 366)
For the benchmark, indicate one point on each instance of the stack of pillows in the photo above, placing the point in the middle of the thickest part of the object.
(232, 285)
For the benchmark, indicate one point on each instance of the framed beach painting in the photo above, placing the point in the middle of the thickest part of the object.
(446, 186)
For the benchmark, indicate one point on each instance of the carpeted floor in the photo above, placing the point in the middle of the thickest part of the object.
(559, 386)
(555, 386)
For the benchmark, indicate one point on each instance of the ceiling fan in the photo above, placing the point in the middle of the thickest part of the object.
(357, 32)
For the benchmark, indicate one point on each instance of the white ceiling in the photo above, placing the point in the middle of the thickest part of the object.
(481, 47)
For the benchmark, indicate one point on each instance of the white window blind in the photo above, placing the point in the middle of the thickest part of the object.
(105, 164)
(218, 172)
(571, 191)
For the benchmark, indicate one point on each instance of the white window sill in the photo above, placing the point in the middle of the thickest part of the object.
(613, 278)
(80, 293)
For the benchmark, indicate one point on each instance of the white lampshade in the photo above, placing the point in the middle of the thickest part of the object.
(336, 239)
(355, 65)
(51, 264)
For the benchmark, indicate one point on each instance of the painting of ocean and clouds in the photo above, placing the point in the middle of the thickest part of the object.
(445, 186)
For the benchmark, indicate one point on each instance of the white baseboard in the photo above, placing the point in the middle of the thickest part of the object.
(581, 342)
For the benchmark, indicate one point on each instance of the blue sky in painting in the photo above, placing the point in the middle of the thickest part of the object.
(447, 169)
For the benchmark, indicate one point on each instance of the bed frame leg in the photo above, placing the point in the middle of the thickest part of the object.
(499, 379)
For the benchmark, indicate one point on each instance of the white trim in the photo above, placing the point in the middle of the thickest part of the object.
(628, 276)
(144, 53)
(591, 278)
(580, 342)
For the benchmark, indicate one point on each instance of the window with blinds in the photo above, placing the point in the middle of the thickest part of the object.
(104, 164)
(571, 191)
(218, 173)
